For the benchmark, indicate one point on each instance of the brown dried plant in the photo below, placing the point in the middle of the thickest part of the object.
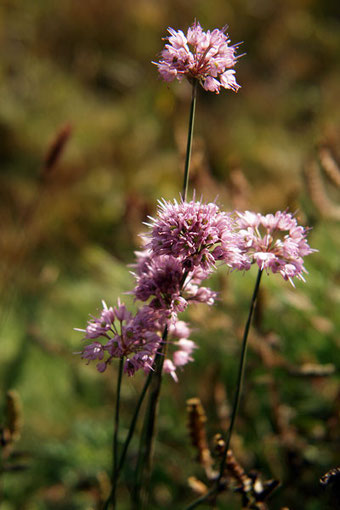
(316, 186)
(10, 432)
(250, 486)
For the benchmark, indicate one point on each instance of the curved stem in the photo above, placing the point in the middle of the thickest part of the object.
(189, 142)
(237, 397)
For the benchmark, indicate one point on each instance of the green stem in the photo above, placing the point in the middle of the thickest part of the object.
(144, 462)
(133, 422)
(240, 379)
(189, 142)
(240, 376)
(143, 469)
(129, 437)
(112, 497)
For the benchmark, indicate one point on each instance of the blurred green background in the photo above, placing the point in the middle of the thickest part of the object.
(84, 69)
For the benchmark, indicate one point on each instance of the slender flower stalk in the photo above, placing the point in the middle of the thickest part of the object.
(240, 376)
(146, 451)
(112, 497)
(128, 438)
(133, 422)
(143, 470)
(215, 490)
(189, 142)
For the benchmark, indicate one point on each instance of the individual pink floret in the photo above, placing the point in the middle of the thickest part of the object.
(275, 242)
(204, 56)
(183, 348)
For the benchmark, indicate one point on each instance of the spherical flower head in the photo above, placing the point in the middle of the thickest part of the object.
(161, 278)
(189, 231)
(169, 287)
(136, 338)
(204, 56)
(275, 242)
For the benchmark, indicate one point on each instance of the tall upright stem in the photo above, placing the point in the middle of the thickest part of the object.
(240, 379)
(133, 422)
(189, 142)
(147, 440)
(240, 376)
(128, 438)
(114, 476)
(143, 469)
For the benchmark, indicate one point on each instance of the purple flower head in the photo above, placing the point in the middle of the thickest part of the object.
(165, 281)
(134, 337)
(275, 242)
(161, 278)
(204, 56)
(191, 232)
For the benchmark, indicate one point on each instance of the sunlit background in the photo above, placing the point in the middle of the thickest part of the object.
(80, 74)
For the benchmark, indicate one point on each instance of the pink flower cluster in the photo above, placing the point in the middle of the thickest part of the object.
(204, 56)
(117, 333)
(275, 242)
(197, 234)
(185, 242)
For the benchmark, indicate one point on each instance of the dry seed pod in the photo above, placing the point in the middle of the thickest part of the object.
(219, 444)
(196, 426)
(14, 414)
(331, 476)
(235, 470)
(330, 166)
(331, 482)
(263, 489)
(56, 149)
(197, 486)
(317, 192)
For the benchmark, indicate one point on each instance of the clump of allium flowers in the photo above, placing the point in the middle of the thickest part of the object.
(185, 242)
(197, 234)
(117, 333)
(275, 242)
(198, 55)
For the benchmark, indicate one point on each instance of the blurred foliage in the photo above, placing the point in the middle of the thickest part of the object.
(69, 230)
